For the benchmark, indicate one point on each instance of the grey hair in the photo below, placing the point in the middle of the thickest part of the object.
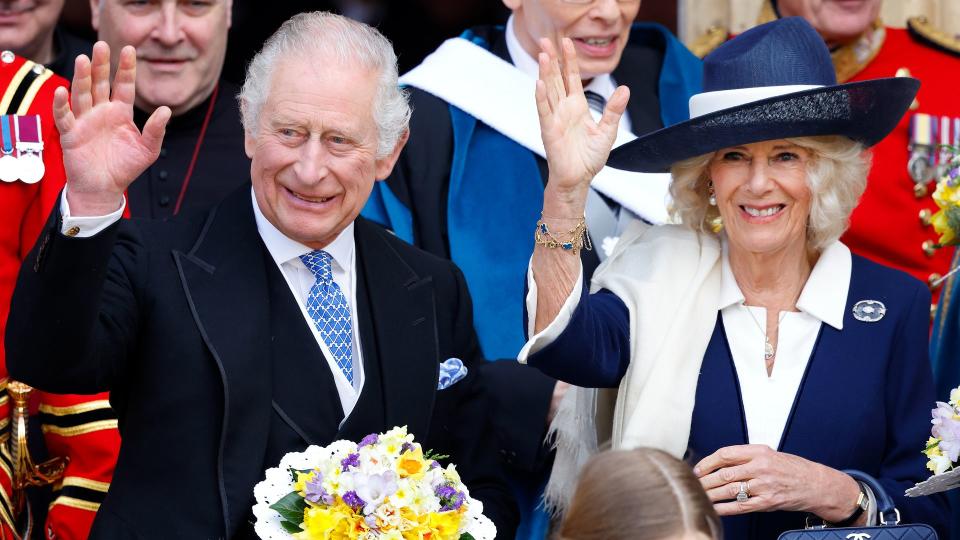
(836, 176)
(343, 40)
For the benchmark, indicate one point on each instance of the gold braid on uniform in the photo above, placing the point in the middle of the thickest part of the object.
(709, 40)
(921, 29)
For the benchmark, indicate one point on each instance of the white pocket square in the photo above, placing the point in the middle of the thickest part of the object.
(451, 371)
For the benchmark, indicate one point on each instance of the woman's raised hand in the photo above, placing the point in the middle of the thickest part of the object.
(577, 146)
(103, 151)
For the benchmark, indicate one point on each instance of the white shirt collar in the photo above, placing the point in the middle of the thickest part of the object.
(284, 249)
(603, 85)
(823, 297)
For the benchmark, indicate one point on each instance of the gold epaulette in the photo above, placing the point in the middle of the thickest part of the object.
(925, 32)
(708, 41)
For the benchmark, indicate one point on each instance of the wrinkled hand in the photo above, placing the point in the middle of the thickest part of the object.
(775, 481)
(103, 151)
(577, 146)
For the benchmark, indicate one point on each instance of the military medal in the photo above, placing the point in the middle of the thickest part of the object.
(948, 137)
(29, 148)
(9, 171)
(921, 164)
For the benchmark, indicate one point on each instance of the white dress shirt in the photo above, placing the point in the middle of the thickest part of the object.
(286, 254)
(603, 85)
(767, 400)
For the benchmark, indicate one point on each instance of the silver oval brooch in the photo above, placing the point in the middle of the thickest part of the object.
(869, 310)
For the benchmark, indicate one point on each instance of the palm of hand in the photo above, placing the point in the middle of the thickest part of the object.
(576, 146)
(104, 149)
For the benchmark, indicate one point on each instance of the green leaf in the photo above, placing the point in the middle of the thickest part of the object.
(291, 509)
(430, 454)
(290, 527)
(466, 536)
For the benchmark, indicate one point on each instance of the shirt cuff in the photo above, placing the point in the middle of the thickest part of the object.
(87, 226)
(549, 334)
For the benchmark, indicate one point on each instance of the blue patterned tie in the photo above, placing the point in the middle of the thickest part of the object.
(330, 311)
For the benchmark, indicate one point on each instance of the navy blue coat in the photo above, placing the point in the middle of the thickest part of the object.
(864, 402)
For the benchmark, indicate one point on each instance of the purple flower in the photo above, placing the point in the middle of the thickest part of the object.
(434, 465)
(369, 440)
(450, 498)
(353, 500)
(407, 447)
(353, 460)
(954, 173)
(946, 428)
(315, 492)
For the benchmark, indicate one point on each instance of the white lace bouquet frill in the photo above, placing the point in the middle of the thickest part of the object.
(384, 487)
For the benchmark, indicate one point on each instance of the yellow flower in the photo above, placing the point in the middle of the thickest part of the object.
(337, 522)
(302, 478)
(955, 397)
(411, 464)
(445, 525)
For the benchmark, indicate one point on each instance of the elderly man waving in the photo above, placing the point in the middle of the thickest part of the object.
(198, 326)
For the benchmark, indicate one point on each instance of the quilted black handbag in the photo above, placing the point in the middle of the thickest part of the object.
(889, 528)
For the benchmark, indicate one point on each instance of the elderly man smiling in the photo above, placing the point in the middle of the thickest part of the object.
(278, 319)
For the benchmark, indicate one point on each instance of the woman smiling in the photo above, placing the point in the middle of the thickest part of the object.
(766, 353)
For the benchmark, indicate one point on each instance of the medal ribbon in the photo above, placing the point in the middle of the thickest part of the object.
(5, 133)
(28, 131)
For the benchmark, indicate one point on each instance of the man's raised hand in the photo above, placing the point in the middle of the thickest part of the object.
(103, 151)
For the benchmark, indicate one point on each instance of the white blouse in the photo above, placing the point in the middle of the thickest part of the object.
(767, 400)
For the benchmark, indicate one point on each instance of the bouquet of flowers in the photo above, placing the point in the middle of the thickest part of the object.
(943, 449)
(947, 196)
(385, 487)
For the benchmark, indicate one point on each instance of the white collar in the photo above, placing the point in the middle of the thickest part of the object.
(824, 295)
(603, 85)
(284, 249)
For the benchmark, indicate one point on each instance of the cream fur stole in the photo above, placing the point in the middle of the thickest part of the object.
(669, 278)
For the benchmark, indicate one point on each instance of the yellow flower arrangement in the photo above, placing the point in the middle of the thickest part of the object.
(383, 488)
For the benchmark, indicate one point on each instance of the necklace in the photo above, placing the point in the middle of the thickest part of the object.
(768, 350)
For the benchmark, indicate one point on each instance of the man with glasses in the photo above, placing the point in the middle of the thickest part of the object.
(469, 184)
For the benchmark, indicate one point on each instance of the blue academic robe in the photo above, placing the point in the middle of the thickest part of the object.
(864, 401)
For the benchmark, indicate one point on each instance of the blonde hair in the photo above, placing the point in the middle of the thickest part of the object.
(643, 494)
(836, 175)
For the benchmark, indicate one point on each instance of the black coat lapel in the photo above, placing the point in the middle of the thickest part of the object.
(225, 284)
(398, 330)
(304, 393)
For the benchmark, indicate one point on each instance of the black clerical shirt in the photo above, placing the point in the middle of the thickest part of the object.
(221, 164)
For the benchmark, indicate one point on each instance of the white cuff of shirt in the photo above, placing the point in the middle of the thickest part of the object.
(87, 226)
(549, 334)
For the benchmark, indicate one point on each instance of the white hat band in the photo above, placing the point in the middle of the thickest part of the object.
(708, 102)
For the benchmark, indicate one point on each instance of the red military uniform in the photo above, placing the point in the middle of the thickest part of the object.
(82, 428)
(891, 224)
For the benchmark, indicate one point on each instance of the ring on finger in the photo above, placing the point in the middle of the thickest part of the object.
(744, 493)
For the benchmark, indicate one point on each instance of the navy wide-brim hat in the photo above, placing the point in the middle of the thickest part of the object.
(774, 81)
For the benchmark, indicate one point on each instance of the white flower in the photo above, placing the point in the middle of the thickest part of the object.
(373, 489)
(941, 464)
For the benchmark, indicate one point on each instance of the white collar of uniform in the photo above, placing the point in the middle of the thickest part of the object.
(603, 85)
(823, 297)
(284, 249)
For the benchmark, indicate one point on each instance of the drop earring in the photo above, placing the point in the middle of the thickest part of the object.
(712, 199)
